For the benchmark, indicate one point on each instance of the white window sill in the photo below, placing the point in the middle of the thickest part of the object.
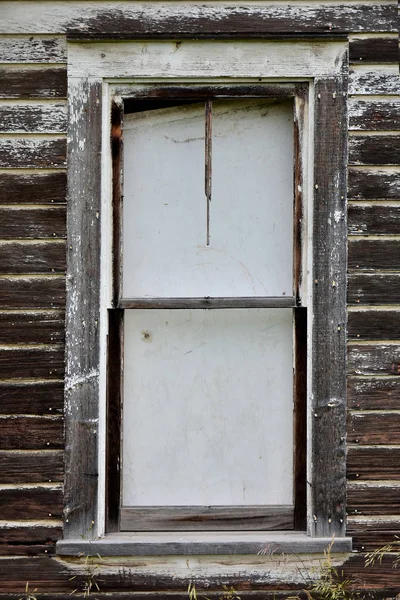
(187, 543)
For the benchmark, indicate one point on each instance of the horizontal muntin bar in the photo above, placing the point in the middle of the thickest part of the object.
(210, 302)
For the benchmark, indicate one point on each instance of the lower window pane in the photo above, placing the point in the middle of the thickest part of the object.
(208, 407)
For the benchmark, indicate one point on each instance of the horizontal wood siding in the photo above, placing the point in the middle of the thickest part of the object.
(376, 219)
(33, 121)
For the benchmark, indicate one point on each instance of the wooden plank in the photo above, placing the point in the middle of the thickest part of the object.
(374, 150)
(370, 499)
(44, 361)
(31, 540)
(33, 49)
(373, 394)
(373, 359)
(374, 219)
(373, 463)
(32, 292)
(381, 578)
(31, 153)
(35, 82)
(374, 325)
(373, 50)
(373, 288)
(373, 254)
(31, 467)
(33, 188)
(374, 184)
(33, 118)
(38, 398)
(31, 503)
(208, 302)
(369, 533)
(83, 304)
(32, 328)
(32, 257)
(374, 81)
(198, 518)
(373, 428)
(367, 115)
(35, 223)
(31, 433)
(328, 495)
(197, 19)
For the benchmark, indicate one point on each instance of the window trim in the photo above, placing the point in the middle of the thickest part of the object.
(90, 87)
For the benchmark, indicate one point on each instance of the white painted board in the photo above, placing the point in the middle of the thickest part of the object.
(208, 407)
(251, 217)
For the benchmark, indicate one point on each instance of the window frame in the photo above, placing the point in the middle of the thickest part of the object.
(215, 518)
(93, 81)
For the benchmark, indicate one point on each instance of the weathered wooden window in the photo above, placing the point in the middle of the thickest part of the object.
(212, 330)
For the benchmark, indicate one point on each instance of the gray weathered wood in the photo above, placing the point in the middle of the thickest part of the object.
(199, 518)
(32, 153)
(374, 219)
(35, 82)
(32, 292)
(373, 499)
(382, 359)
(208, 302)
(374, 150)
(374, 81)
(83, 305)
(35, 223)
(33, 118)
(373, 184)
(33, 49)
(33, 188)
(374, 50)
(328, 474)
(367, 115)
(32, 257)
(366, 393)
(373, 288)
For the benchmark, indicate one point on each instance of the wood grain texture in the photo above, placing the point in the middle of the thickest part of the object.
(17, 82)
(228, 22)
(373, 50)
(374, 254)
(36, 188)
(373, 288)
(374, 184)
(381, 578)
(373, 394)
(32, 257)
(374, 150)
(83, 304)
(197, 518)
(33, 49)
(373, 359)
(328, 495)
(31, 153)
(31, 433)
(34, 398)
(374, 81)
(33, 118)
(31, 328)
(374, 325)
(34, 223)
(32, 292)
(44, 362)
(369, 533)
(31, 503)
(31, 467)
(209, 302)
(29, 541)
(373, 463)
(367, 115)
(370, 499)
(373, 428)
(373, 220)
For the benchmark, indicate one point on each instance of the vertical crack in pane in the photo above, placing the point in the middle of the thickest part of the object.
(208, 161)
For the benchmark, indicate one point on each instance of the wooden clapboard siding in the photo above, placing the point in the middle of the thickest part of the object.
(373, 49)
(374, 80)
(32, 292)
(29, 153)
(373, 428)
(33, 82)
(373, 359)
(30, 362)
(32, 257)
(370, 393)
(373, 288)
(33, 49)
(373, 184)
(374, 219)
(31, 433)
(368, 254)
(34, 223)
(377, 115)
(373, 463)
(31, 466)
(33, 188)
(32, 398)
(31, 540)
(374, 325)
(33, 118)
(373, 498)
(374, 150)
(31, 327)
(371, 532)
(33, 502)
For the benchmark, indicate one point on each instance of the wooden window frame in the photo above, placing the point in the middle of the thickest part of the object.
(92, 86)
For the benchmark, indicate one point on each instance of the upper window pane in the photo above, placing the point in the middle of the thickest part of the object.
(165, 252)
